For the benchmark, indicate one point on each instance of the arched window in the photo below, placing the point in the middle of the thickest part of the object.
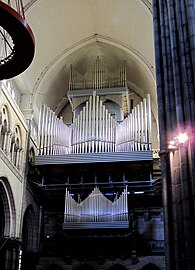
(5, 215)
(8, 211)
(4, 127)
(114, 109)
(12, 147)
(15, 147)
(3, 133)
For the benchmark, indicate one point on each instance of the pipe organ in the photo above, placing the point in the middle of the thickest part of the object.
(96, 208)
(94, 130)
(53, 135)
(97, 77)
(134, 133)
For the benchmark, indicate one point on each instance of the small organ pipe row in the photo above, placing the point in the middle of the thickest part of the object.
(53, 135)
(118, 78)
(94, 130)
(97, 77)
(96, 208)
(134, 133)
(76, 80)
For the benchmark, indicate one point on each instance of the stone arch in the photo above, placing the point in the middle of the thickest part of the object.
(79, 107)
(3, 133)
(114, 108)
(90, 40)
(84, 266)
(29, 239)
(4, 126)
(5, 114)
(54, 266)
(8, 225)
(150, 266)
(29, 231)
(110, 104)
(117, 266)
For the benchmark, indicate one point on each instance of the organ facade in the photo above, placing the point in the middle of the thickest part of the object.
(98, 170)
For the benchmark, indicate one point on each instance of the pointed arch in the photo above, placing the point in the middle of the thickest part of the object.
(9, 209)
(29, 231)
(84, 266)
(150, 266)
(117, 266)
(4, 126)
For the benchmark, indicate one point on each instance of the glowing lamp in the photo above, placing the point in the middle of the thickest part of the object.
(182, 138)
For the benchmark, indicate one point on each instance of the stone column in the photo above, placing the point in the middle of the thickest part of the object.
(4, 146)
(174, 36)
(21, 160)
(8, 144)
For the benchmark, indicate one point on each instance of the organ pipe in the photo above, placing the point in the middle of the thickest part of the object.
(53, 134)
(96, 208)
(134, 133)
(95, 130)
(98, 76)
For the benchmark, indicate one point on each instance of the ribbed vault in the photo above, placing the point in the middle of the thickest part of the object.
(76, 32)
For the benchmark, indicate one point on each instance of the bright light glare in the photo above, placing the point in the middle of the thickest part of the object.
(182, 138)
(172, 142)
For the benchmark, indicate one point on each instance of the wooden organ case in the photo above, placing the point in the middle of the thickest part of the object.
(95, 171)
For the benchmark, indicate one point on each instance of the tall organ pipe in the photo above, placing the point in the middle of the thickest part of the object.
(95, 130)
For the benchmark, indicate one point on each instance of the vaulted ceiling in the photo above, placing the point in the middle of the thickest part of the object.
(76, 32)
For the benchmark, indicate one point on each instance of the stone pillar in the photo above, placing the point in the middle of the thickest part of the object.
(4, 141)
(8, 144)
(11, 254)
(174, 36)
(21, 160)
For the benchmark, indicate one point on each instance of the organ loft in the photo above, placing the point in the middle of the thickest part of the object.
(96, 179)
(97, 128)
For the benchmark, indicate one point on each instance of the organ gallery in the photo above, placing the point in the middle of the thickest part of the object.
(97, 135)
(101, 167)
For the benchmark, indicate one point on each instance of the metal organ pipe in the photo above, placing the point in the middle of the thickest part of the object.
(89, 130)
(87, 126)
(95, 130)
(83, 131)
(97, 126)
(149, 119)
(97, 121)
(93, 121)
(96, 208)
(97, 77)
(134, 133)
(53, 134)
